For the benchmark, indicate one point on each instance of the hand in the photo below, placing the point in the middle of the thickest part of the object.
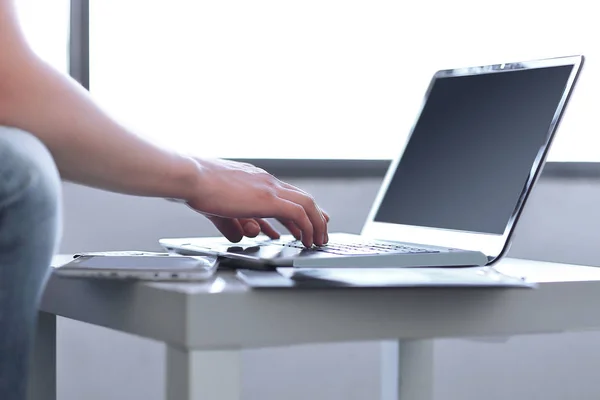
(237, 197)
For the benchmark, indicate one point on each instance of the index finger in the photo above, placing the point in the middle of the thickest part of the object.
(313, 212)
(295, 213)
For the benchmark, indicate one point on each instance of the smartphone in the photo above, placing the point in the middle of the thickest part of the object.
(139, 266)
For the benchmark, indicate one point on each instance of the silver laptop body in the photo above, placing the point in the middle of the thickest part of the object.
(453, 195)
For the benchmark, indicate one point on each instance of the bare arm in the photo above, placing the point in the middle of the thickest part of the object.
(87, 145)
(92, 149)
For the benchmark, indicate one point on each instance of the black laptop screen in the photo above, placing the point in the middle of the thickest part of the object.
(472, 149)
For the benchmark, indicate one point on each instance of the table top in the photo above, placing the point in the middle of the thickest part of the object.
(225, 313)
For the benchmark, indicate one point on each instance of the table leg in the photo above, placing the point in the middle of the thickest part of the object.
(42, 378)
(407, 370)
(203, 375)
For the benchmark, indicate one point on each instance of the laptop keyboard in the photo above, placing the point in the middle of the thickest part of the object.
(349, 248)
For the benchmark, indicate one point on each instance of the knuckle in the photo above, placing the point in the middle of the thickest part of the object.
(312, 204)
(311, 200)
(305, 201)
(267, 178)
(266, 196)
(271, 183)
(297, 211)
(264, 172)
(258, 170)
(300, 215)
(247, 166)
(253, 169)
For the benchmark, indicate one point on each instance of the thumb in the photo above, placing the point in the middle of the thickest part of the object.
(250, 227)
(230, 228)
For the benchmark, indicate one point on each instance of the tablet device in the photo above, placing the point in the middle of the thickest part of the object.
(138, 266)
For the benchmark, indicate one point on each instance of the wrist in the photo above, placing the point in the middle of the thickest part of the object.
(185, 178)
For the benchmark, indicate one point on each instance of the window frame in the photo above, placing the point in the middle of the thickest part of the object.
(79, 69)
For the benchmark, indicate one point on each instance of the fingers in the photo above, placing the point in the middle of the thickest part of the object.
(235, 229)
(268, 229)
(230, 228)
(312, 211)
(290, 210)
(327, 218)
(250, 227)
(292, 227)
(267, 197)
(311, 200)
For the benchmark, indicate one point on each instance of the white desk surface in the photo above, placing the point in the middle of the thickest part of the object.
(224, 313)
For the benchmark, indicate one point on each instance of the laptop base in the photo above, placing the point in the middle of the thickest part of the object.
(285, 252)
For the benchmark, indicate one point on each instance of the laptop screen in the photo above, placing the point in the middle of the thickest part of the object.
(472, 149)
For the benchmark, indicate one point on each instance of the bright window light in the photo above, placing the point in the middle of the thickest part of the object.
(46, 27)
(332, 79)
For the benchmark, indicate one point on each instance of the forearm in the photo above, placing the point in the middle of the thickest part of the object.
(88, 146)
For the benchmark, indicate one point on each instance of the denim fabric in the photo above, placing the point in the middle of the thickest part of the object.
(29, 232)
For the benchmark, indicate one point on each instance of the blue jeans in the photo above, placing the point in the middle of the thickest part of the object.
(29, 233)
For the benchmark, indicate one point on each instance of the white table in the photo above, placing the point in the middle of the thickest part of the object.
(206, 325)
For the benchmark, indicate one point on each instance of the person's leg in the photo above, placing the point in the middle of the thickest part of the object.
(29, 231)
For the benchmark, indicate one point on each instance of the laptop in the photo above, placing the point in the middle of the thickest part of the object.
(453, 195)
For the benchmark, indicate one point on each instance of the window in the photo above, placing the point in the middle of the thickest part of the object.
(46, 26)
(332, 79)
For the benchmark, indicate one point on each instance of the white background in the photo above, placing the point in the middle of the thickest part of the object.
(318, 78)
(46, 25)
(313, 79)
